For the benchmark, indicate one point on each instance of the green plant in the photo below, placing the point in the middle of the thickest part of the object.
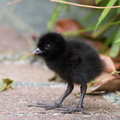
(107, 25)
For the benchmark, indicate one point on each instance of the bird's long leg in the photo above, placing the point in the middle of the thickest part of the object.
(80, 104)
(83, 89)
(67, 92)
(58, 102)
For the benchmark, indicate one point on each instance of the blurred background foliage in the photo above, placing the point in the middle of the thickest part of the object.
(29, 18)
(102, 24)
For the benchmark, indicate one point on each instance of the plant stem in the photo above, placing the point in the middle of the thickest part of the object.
(55, 16)
(94, 81)
(74, 33)
(104, 28)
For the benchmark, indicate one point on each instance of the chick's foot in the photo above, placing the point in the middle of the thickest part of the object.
(72, 110)
(48, 106)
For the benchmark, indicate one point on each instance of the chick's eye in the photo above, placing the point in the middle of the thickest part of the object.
(48, 46)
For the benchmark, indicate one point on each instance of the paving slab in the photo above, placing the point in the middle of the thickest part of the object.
(13, 104)
(25, 72)
(34, 87)
(62, 117)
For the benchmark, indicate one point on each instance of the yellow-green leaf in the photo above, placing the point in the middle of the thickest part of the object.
(97, 1)
(117, 40)
(6, 83)
(55, 15)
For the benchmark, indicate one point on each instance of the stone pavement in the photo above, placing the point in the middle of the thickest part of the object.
(32, 86)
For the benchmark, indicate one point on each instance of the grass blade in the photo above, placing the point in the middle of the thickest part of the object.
(55, 15)
(74, 33)
(115, 49)
(117, 40)
(98, 1)
(118, 10)
(105, 12)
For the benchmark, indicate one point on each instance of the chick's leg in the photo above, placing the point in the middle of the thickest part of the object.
(80, 105)
(58, 102)
(83, 89)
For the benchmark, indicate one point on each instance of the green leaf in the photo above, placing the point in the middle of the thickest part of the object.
(117, 35)
(110, 39)
(105, 12)
(117, 40)
(115, 49)
(55, 15)
(97, 1)
(67, 7)
(6, 83)
(103, 28)
(118, 10)
(74, 33)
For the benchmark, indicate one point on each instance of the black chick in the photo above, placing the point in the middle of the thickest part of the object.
(73, 60)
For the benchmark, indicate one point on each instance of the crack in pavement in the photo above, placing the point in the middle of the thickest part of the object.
(35, 84)
(30, 113)
(51, 113)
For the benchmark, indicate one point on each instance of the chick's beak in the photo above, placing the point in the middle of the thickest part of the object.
(37, 51)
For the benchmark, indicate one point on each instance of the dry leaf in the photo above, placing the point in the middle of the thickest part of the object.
(117, 62)
(117, 65)
(109, 80)
(117, 59)
(109, 65)
(69, 25)
(105, 82)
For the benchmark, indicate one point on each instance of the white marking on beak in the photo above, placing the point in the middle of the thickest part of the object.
(37, 51)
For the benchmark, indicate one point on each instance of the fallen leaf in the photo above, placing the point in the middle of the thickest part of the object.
(110, 85)
(117, 62)
(117, 59)
(109, 80)
(109, 65)
(117, 65)
(53, 78)
(69, 25)
(6, 84)
(105, 82)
